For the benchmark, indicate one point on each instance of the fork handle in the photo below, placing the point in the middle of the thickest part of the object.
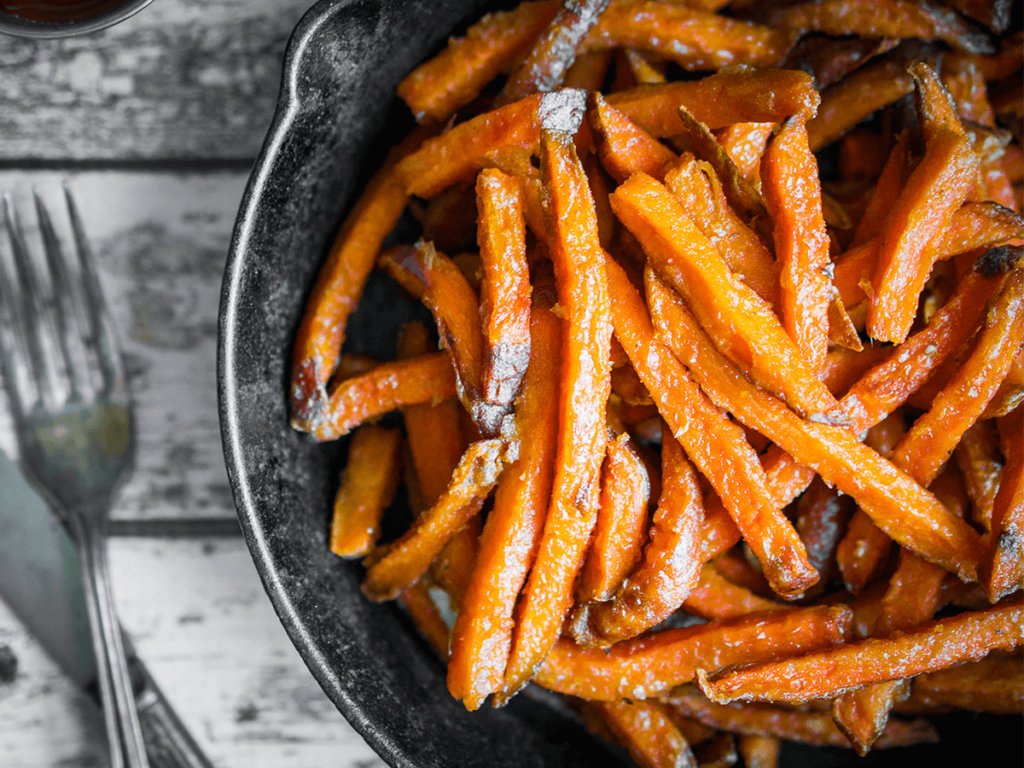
(124, 733)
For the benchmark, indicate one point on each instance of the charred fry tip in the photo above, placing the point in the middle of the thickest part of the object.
(999, 260)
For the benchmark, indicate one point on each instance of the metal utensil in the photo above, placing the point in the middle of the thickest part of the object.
(40, 582)
(73, 417)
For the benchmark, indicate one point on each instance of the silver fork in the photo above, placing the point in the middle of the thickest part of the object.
(72, 410)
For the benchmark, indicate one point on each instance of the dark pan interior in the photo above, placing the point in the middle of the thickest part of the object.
(336, 115)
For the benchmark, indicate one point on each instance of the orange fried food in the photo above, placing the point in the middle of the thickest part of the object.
(928, 648)
(575, 497)
(368, 486)
(505, 294)
(765, 96)
(994, 684)
(553, 52)
(482, 635)
(417, 602)
(340, 284)
(453, 78)
(881, 18)
(805, 727)
(623, 147)
(408, 558)
(693, 39)
(671, 560)
(620, 531)
(424, 379)
(980, 463)
(894, 501)
(792, 192)
(1002, 568)
(656, 663)
(930, 442)
(745, 143)
(458, 153)
(742, 324)
(922, 212)
(645, 729)
(716, 445)
(455, 307)
(697, 188)
(715, 597)
(856, 96)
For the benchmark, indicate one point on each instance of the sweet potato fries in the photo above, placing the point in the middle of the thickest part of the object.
(712, 422)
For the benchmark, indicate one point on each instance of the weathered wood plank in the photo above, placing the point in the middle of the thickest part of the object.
(200, 620)
(182, 79)
(160, 242)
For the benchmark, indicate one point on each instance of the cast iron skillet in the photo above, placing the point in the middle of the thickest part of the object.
(335, 116)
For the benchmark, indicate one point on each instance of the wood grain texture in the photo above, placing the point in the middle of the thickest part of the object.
(184, 79)
(160, 241)
(198, 616)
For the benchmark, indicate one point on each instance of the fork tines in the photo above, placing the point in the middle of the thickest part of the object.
(57, 344)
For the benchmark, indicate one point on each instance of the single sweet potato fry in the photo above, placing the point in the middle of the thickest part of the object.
(896, 503)
(882, 18)
(742, 324)
(645, 730)
(368, 485)
(671, 560)
(416, 602)
(930, 442)
(761, 96)
(553, 51)
(340, 284)
(654, 664)
(456, 311)
(994, 684)
(822, 674)
(425, 379)
(923, 211)
(712, 442)
(715, 597)
(697, 188)
(856, 96)
(585, 385)
(792, 192)
(829, 59)
(618, 537)
(482, 635)
(458, 153)
(505, 299)
(804, 727)
(456, 76)
(408, 558)
(623, 147)
(1002, 567)
(979, 461)
(693, 39)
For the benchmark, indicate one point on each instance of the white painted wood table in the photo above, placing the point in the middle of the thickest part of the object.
(155, 124)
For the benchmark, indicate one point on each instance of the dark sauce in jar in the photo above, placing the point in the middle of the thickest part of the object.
(57, 11)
